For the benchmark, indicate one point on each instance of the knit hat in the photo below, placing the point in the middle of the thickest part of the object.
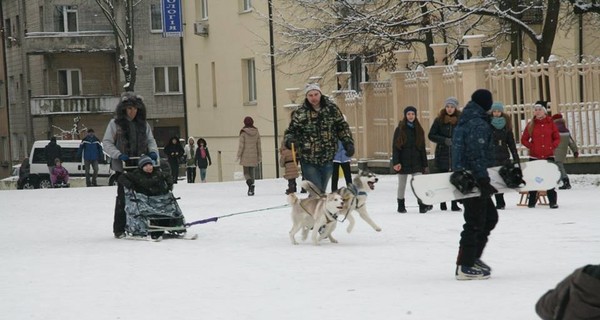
(451, 101)
(483, 98)
(408, 109)
(144, 160)
(248, 121)
(497, 106)
(542, 105)
(557, 116)
(311, 87)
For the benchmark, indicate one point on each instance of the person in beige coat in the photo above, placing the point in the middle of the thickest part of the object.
(287, 161)
(249, 152)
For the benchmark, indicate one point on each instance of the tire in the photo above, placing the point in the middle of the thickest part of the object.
(45, 183)
(112, 181)
(28, 184)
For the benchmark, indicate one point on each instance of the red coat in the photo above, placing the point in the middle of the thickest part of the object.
(543, 140)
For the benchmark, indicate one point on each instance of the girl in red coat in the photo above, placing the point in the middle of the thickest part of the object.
(541, 137)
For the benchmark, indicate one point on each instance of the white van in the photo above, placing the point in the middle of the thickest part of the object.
(39, 176)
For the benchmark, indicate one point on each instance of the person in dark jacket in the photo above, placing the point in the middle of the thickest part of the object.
(24, 171)
(504, 143)
(53, 151)
(91, 149)
(409, 156)
(203, 158)
(174, 152)
(441, 133)
(541, 137)
(314, 131)
(128, 134)
(146, 180)
(473, 150)
(577, 297)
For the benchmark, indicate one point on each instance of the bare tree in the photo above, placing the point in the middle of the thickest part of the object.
(124, 35)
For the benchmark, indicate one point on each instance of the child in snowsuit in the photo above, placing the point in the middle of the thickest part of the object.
(560, 153)
(59, 174)
(287, 161)
(146, 180)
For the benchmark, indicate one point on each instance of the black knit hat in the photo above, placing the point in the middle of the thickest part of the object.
(408, 109)
(483, 98)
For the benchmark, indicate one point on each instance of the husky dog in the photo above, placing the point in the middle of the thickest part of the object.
(355, 198)
(318, 213)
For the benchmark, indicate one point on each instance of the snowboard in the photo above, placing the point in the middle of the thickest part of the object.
(436, 188)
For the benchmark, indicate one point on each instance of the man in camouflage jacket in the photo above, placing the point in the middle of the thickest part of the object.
(314, 131)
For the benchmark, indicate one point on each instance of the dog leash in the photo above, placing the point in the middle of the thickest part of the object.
(214, 219)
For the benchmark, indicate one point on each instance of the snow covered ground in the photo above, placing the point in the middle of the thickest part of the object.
(59, 259)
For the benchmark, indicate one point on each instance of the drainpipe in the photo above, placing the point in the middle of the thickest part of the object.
(273, 87)
(580, 52)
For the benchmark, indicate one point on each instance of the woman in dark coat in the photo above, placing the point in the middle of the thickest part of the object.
(409, 155)
(504, 143)
(174, 152)
(441, 133)
(203, 158)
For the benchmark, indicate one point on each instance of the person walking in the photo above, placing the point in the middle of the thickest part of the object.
(91, 149)
(541, 137)
(249, 153)
(203, 158)
(409, 156)
(473, 150)
(314, 131)
(174, 152)
(190, 159)
(560, 153)
(288, 162)
(341, 160)
(441, 133)
(127, 135)
(504, 144)
(53, 151)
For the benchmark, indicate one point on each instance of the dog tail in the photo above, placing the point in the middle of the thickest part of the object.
(292, 199)
(312, 189)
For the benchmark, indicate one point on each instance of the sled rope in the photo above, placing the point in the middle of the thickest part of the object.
(214, 219)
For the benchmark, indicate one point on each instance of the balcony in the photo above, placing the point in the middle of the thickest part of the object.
(53, 105)
(82, 41)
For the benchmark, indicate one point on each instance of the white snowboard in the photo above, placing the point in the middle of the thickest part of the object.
(436, 188)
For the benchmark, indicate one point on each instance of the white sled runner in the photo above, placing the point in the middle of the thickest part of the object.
(436, 188)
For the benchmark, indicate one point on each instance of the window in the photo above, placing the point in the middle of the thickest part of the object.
(245, 5)
(355, 64)
(65, 19)
(155, 18)
(249, 80)
(69, 82)
(167, 80)
(204, 9)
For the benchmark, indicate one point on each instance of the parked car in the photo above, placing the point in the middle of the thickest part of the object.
(39, 176)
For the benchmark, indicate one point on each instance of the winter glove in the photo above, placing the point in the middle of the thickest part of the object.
(289, 142)
(485, 188)
(123, 157)
(153, 155)
(349, 149)
(576, 154)
(448, 141)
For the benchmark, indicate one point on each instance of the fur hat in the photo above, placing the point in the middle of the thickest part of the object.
(541, 104)
(451, 101)
(248, 121)
(408, 109)
(311, 87)
(483, 98)
(497, 106)
(144, 160)
(557, 116)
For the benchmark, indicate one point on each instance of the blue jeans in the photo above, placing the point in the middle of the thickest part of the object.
(317, 174)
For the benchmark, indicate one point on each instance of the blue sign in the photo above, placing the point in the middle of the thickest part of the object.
(171, 18)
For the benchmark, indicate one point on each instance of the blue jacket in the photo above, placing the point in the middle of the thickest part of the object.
(340, 155)
(472, 144)
(91, 148)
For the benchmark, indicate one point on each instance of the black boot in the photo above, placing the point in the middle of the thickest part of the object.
(552, 198)
(291, 186)
(250, 184)
(532, 199)
(423, 207)
(455, 206)
(443, 206)
(401, 207)
(500, 204)
(566, 184)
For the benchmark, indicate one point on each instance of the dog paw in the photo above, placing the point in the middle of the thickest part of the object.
(378, 229)
(333, 240)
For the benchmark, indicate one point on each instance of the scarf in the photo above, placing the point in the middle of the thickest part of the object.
(498, 122)
(202, 153)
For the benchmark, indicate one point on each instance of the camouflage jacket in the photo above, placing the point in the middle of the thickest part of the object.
(316, 133)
